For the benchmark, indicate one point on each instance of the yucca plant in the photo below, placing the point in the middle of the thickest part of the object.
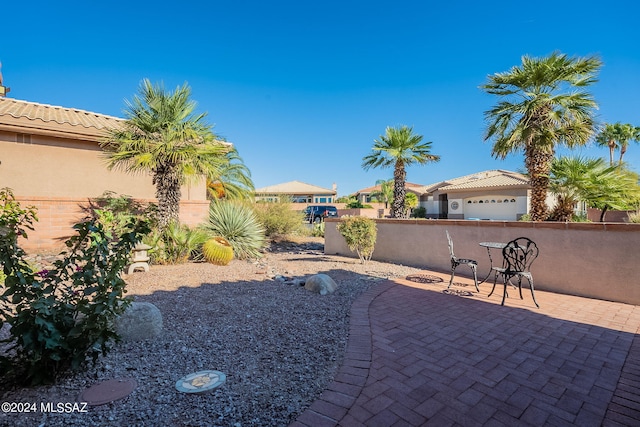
(237, 222)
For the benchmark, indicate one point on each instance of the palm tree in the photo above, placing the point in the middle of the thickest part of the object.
(617, 135)
(399, 147)
(162, 135)
(542, 105)
(602, 186)
(385, 194)
(234, 180)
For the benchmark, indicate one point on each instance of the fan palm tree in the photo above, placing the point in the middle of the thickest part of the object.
(399, 147)
(602, 186)
(385, 194)
(234, 180)
(617, 135)
(542, 105)
(163, 135)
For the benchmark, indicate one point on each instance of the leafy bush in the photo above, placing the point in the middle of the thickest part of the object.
(318, 230)
(360, 234)
(115, 212)
(279, 219)
(420, 212)
(238, 223)
(176, 244)
(60, 317)
(634, 217)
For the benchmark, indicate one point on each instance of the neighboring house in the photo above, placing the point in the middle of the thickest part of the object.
(365, 195)
(493, 194)
(50, 158)
(298, 192)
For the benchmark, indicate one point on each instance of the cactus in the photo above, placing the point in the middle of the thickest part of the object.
(217, 251)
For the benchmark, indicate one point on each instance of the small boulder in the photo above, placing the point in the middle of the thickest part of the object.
(321, 283)
(141, 320)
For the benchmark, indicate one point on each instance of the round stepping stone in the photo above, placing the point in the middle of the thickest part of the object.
(201, 382)
(108, 391)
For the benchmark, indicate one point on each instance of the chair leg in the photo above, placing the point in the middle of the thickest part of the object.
(475, 277)
(495, 279)
(504, 296)
(532, 294)
(453, 272)
(520, 286)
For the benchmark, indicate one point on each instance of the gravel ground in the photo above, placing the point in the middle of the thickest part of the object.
(279, 344)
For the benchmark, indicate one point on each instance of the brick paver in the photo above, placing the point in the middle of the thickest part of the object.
(419, 354)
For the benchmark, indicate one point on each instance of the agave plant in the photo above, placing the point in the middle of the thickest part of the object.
(237, 223)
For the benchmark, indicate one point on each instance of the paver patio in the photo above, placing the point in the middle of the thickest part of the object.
(421, 355)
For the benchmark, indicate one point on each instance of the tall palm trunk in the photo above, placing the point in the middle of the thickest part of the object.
(538, 165)
(399, 176)
(612, 147)
(167, 182)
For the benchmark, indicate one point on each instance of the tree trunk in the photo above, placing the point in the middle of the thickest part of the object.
(612, 148)
(168, 194)
(538, 165)
(399, 175)
(602, 214)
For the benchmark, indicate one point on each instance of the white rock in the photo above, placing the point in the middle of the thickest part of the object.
(140, 321)
(321, 283)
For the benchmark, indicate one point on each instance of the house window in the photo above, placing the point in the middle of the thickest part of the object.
(321, 199)
(301, 199)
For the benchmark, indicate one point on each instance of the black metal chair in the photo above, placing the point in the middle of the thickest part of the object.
(518, 256)
(455, 262)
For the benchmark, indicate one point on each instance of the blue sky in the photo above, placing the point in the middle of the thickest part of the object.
(303, 88)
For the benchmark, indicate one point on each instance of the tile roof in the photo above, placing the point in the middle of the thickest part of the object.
(486, 179)
(294, 187)
(31, 117)
(377, 188)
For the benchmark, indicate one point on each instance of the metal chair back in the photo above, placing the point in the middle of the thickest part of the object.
(450, 245)
(519, 254)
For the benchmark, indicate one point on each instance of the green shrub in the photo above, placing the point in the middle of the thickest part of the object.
(237, 222)
(360, 233)
(115, 212)
(634, 217)
(420, 212)
(176, 244)
(60, 317)
(318, 230)
(279, 219)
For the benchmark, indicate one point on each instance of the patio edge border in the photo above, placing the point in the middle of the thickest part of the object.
(336, 400)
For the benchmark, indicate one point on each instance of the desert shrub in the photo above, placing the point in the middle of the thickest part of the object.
(420, 212)
(318, 230)
(114, 212)
(279, 219)
(360, 233)
(60, 317)
(176, 244)
(237, 222)
(634, 217)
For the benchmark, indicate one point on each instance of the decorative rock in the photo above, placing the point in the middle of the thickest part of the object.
(321, 283)
(141, 320)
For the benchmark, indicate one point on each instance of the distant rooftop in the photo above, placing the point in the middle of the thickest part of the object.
(294, 187)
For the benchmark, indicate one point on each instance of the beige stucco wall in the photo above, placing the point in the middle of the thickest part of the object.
(56, 167)
(597, 260)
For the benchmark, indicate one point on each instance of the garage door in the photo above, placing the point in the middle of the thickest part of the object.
(503, 208)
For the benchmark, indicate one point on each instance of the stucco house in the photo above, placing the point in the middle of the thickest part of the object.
(493, 194)
(365, 195)
(50, 158)
(298, 192)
